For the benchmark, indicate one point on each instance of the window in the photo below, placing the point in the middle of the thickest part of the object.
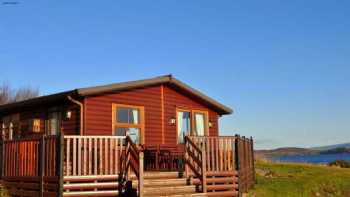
(200, 123)
(35, 125)
(183, 125)
(193, 122)
(53, 123)
(128, 120)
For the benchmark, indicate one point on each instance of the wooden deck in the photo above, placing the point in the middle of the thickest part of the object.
(106, 165)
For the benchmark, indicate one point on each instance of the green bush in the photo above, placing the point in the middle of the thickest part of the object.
(340, 163)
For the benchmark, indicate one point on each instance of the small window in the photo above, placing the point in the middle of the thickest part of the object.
(53, 123)
(36, 125)
(127, 120)
(128, 115)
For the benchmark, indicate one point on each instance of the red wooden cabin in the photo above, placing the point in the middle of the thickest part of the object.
(156, 114)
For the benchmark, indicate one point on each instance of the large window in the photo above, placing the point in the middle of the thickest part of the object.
(193, 123)
(128, 120)
(200, 123)
(183, 125)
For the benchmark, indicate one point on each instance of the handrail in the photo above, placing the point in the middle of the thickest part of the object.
(92, 155)
(134, 161)
(220, 151)
(195, 160)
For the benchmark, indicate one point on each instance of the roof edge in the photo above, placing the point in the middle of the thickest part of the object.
(224, 108)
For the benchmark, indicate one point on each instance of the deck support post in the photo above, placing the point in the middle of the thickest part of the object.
(141, 175)
(1, 158)
(238, 167)
(186, 159)
(253, 159)
(59, 166)
(42, 165)
(204, 170)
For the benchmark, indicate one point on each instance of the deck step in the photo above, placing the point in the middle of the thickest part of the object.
(163, 182)
(91, 193)
(182, 195)
(161, 175)
(178, 190)
(221, 187)
(102, 185)
(222, 194)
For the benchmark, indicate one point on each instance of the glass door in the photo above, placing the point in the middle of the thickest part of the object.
(200, 123)
(183, 125)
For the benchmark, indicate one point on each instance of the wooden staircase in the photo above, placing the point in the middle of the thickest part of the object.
(170, 184)
(173, 184)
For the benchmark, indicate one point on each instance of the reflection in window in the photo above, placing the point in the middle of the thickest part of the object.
(127, 121)
(134, 133)
(199, 124)
(127, 115)
(183, 125)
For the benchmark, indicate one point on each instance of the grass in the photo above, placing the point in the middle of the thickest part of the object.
(300, 180)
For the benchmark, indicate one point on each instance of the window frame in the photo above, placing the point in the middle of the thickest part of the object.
(140, 125)
(206, 130)
(177, 123)
(192, 113)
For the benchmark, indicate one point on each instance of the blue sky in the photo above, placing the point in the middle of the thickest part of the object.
(282, 65)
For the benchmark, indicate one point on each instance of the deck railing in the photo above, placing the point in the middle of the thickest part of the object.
(93, 155)
(92, 165)
(134, 163)
(34, 163)
(195, 162)
(100, 165)
(220, 152)
(223, 156)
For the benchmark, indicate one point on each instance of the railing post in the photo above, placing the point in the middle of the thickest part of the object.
(253, 159)
(1, 158)
(11, 131)
(186, 159)
(141, 162)
(41, 165)
(59, 159)
(238, 167)
(204, 170)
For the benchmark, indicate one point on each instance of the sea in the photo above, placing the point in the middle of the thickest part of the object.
(313, 159)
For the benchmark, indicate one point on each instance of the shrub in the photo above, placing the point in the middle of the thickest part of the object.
(340, 163)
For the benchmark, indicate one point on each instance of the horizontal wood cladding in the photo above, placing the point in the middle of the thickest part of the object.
(71, 126)
(98, 112)
(176, 99)
(68, 126)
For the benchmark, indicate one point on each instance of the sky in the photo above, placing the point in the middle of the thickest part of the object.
(283, 66)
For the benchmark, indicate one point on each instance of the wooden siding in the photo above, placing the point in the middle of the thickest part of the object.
(98, 112)
(68, 126)
(72, 126)
(175, 99)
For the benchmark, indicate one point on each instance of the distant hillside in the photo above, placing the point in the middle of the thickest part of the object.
(323, 148)
(336, 150)
(289, 151)
(285, 151)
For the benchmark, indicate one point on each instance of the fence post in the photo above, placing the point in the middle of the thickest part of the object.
(253, 159)
(141, 157)
(1, 158)
(59, 159)
(238, 167)
(204, 170)
(41, 165)
(186, 159)
(245, 164)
